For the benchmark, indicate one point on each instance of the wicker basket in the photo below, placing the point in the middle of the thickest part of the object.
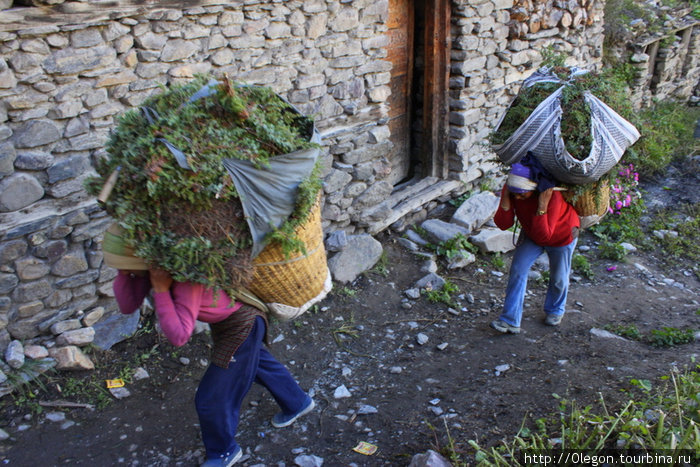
(593, 201)
(296, 280)
(592, 204)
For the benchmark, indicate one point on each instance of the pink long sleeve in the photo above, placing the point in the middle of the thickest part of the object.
(130, 292)
(177, 311)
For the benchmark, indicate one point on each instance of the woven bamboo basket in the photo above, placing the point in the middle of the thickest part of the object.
(593, 201)
(297, 279)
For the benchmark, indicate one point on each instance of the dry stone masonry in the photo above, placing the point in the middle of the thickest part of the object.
(68, 70)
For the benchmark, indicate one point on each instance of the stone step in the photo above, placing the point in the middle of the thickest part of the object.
(407, 199)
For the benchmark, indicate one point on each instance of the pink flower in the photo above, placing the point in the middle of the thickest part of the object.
(611, 268)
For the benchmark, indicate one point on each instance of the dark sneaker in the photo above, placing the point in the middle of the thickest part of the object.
(502, 326)
(553, 320)
(225, 461)
(281, 420)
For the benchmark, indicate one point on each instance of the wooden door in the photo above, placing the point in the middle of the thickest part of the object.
(400, 54)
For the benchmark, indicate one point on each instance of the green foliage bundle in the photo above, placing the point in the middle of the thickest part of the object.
(189, 221)
(576, 117)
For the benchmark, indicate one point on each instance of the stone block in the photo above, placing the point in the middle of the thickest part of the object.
(494, 240)
(86, 38)
(278, 30)
(8, 157)
(58, 298)
(345, 20)
(70, 264)
(8, 282)
(19, 191)
(36, 133)
(14, 354)
(71, 358)
(360, 254)
(27, 310)
(77, 280)
(11, 250)
(178, 50)
(476, 211)
(65, 326)
(51, 250)
(114, 329)
(72, 61)
(373, 195)
(31, 268)
(36, 352)
(93, 316)
(27, 292)
(70, 167)
(78, 337)
(430, 281)
(440, 231)
(336, 181)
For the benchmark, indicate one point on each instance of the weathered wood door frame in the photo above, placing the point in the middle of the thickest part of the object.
(435, 92)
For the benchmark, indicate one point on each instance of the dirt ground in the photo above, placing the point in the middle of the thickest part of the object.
(466, 382)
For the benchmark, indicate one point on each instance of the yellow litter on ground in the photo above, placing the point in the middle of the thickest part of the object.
(365, 448)
(114, 383)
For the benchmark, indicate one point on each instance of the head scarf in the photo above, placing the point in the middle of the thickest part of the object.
(520, 179)
(118, 254)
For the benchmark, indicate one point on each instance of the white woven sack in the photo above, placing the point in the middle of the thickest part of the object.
(541, 133)
(286, 312)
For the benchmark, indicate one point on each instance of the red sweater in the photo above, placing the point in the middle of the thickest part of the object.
(555, 228)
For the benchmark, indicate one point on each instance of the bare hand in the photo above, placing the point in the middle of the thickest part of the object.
(543, 200)
(505, 198)
(160, 280)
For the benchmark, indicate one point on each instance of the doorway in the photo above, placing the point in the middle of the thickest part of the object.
(419, 48)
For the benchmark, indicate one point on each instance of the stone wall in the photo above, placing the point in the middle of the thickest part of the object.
(667, 63)
(66, 73)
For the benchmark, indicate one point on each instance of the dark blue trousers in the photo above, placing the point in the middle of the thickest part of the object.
(221, 391)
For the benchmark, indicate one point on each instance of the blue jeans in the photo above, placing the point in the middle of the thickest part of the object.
(221, 391)
(559, 267)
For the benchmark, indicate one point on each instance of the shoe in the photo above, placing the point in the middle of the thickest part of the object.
(281, 419)
(501, 326)
(553, 320)
(225, 461)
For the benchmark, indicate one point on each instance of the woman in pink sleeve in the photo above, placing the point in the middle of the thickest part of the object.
(549, 224)
(238, 356)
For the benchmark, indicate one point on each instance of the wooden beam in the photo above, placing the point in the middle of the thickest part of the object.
(435, 93)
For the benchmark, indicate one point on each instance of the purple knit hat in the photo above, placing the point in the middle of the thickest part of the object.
(518, 178)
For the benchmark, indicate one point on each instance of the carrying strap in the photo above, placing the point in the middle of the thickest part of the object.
(516, 229)
(246, 296)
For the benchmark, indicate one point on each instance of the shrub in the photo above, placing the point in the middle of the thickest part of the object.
(667, 134)
(669, 337)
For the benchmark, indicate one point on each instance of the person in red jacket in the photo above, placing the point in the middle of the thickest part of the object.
(549, 224)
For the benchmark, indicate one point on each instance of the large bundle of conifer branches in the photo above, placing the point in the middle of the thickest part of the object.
(174, 199)
(576, 117)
